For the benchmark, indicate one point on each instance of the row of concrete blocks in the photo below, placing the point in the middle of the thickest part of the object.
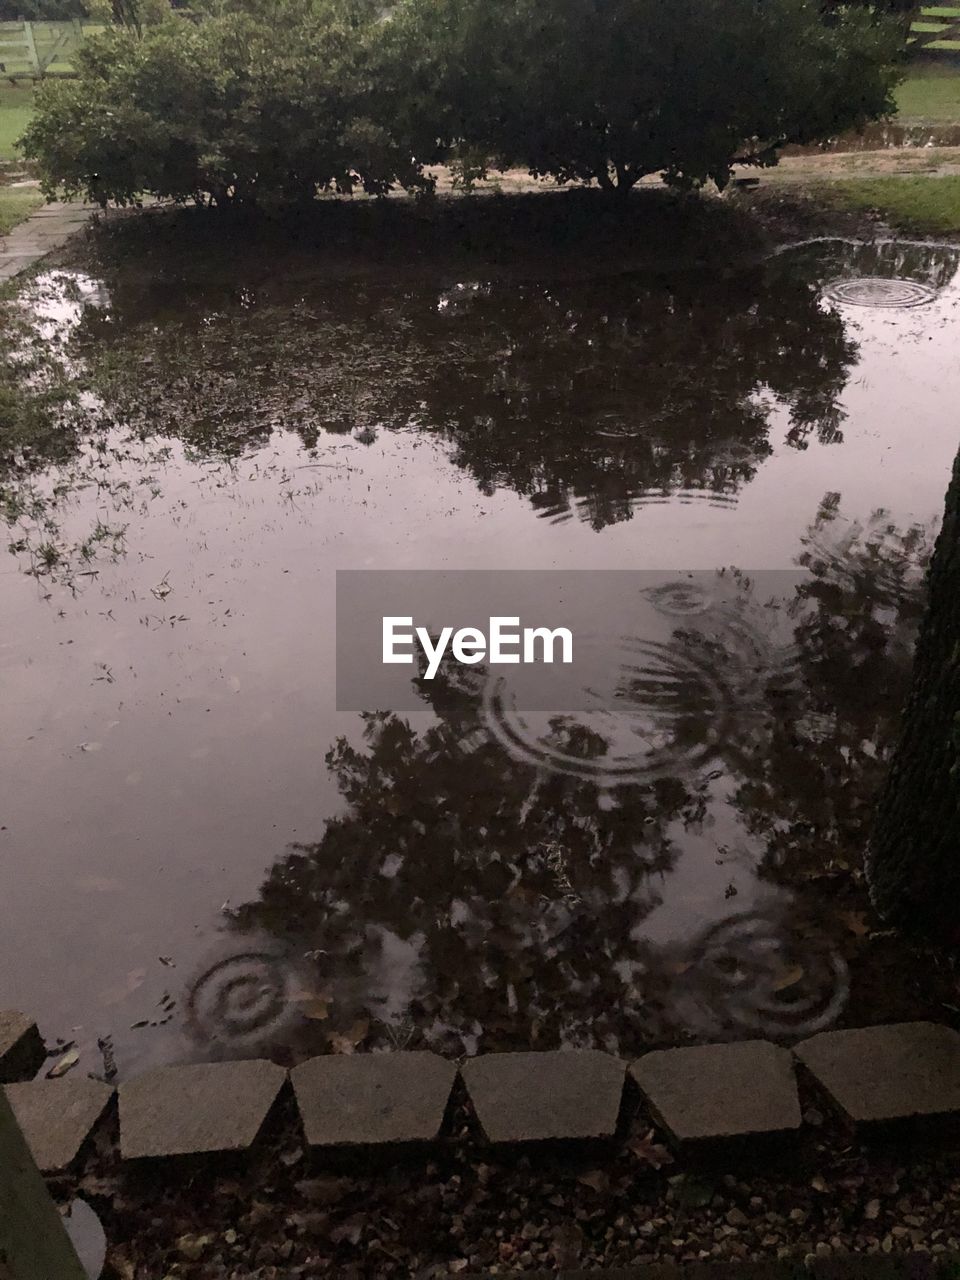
(697, 1094)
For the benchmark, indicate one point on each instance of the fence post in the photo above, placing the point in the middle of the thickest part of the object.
(34, 1244)
(31, 48)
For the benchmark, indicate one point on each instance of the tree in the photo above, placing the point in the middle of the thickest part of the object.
(913, 865)
(241, 107)
(612, 90)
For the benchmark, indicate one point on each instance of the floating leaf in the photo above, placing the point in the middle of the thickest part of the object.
(316, 1008)
(65, 1064)
(789, 978)
(856, 922)
(348, 1041)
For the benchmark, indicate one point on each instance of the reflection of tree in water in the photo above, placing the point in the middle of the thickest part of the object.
(811, 795)
(502, 902)
(482, 902)
(589, 397)
(933, 265)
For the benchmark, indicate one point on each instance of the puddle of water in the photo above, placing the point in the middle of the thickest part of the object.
(200, 855)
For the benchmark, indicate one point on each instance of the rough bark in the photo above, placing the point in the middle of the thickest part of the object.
(913, 865)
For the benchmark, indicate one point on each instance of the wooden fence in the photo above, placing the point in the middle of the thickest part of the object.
(936, 29)
(31, 50)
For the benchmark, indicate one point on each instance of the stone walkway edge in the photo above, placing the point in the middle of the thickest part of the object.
(47, 229)
(905, 1073)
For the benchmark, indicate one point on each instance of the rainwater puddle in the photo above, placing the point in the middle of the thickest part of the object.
(200, 856)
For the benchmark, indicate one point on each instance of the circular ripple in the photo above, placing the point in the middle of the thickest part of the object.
(879, 291)
(680, 599)
(749, 973)
(242, 999)
(661, 713)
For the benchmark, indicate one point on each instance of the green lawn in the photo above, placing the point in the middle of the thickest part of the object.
(915, 203)
(16, 107)
(15, 205)
(931, 92)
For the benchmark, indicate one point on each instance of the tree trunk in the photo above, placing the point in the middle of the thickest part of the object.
(913, 864)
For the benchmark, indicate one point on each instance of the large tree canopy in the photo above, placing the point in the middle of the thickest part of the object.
(612, 90)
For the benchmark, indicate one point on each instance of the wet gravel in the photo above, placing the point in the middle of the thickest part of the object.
(462, 1209)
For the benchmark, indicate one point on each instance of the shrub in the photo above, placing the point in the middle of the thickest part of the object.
(238, 107)
(270, 100)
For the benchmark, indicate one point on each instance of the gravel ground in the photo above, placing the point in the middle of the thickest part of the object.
(462, 1209)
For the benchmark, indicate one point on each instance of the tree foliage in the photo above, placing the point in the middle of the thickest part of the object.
(267, 102)
(273, 99)
(612, 90)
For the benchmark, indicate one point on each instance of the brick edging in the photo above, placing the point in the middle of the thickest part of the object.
(904, 1073)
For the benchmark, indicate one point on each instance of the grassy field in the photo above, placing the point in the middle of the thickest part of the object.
(15, 205)
(917, 204)
(931, 92)
(16, 106)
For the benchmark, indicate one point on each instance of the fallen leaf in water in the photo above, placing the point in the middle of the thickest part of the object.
(61, 1068)
(348, 1041)
(316, 1008)
(789, 978)
(856, 922)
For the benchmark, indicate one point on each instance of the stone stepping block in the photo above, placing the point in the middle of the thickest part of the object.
(716, 1091)
(372, 1098)
(199, 1109)
(57, 1117)
(22, 1051)
(877, 1074)
(548, 1096)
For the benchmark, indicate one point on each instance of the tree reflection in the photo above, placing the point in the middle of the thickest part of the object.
(811, 794)
(588, 397)
(479, 901)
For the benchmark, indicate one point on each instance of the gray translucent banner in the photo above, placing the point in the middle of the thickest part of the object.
(608, 642)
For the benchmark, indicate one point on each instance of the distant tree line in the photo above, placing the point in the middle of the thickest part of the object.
(271, 101)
